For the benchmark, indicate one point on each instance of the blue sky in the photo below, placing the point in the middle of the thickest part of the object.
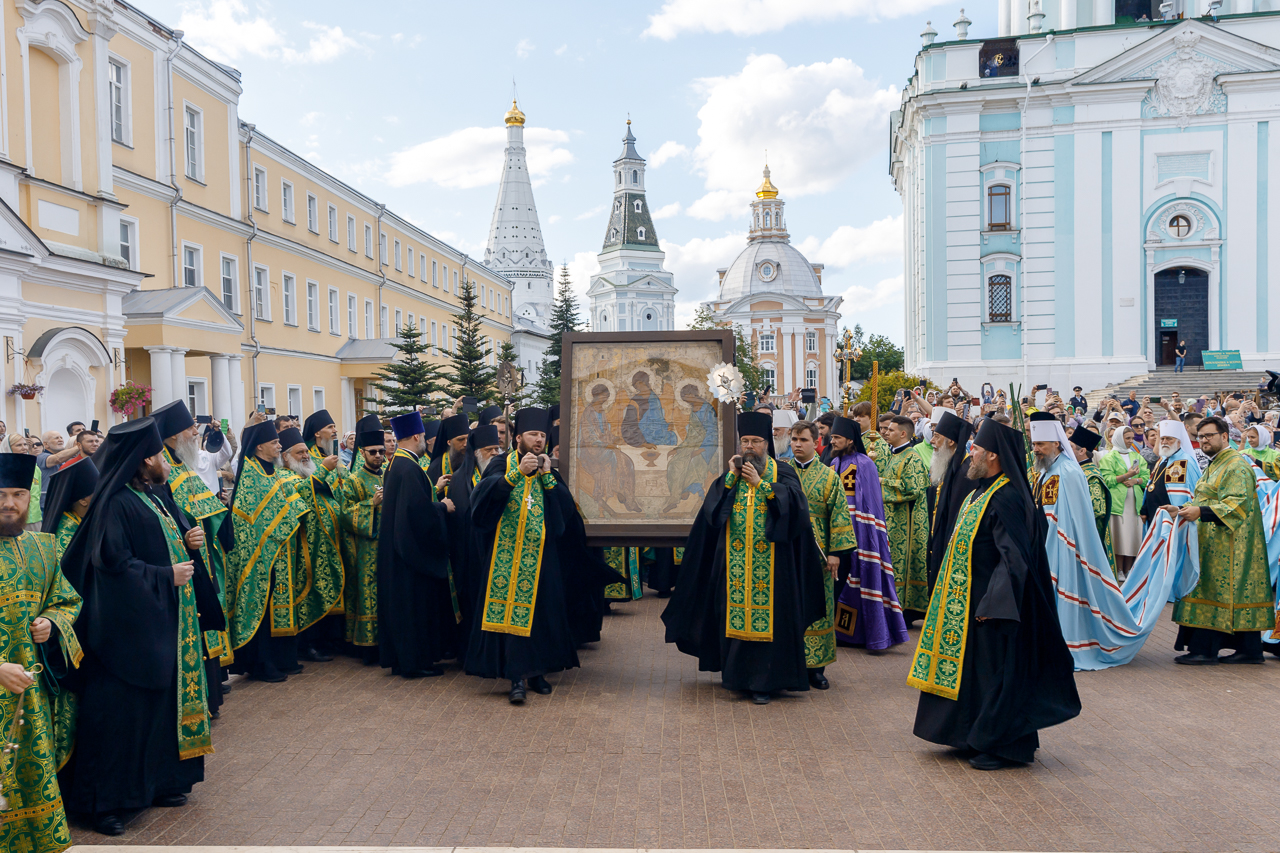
(405, 102)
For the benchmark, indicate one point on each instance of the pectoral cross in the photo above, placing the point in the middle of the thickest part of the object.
(528, 501)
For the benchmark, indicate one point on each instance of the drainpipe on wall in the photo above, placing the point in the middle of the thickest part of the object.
(253, 233)
(1022, 213)
(378, 242)
(173, 161)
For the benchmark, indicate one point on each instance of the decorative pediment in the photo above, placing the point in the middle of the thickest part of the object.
(1183, 52)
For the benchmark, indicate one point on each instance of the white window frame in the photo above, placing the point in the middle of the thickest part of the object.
(395, 330)
(223, 258)
(810, 337)
(120, 98)
(1001, 263)
(352, 308)
(260, 188)
(286, 201)
(193, 141)
(455, 281)
(422, 264)
(409, 320)
(435, 344)
(638, 208)
(397, 255)
(317, 397)
(769, 374)
(382, 322)
(267, 394)
(290, 390)
(1003, 173)
(333, 224)
(313, 213)
(335, 311)
(197, 395)
(289, 297)
(772, 342)
(130, 225)
(196, 251)
(351, 233)
(368, 240)
(368, 319)
(382, 248)
(444, 268)
(262, 292)
(435, 282)
(408, 260)
(313, 305)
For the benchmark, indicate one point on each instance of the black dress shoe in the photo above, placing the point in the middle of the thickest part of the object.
(108, 824)
(987, 761)
(1241, 657)
(214, 714)
(1272, 648)
(311, 653)
(818, 681)
(761, 698)
(271, 677)
(170, 801)
(1196, 660)
(517, 693)
(292, 670)
(540, 685)
(226, 688)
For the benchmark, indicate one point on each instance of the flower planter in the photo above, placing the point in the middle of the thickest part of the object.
(28, 395)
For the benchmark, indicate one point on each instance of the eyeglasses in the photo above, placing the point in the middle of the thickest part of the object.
(1203, 435)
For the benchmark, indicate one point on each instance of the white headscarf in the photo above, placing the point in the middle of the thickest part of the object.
(1117, 442)
(1264, 435)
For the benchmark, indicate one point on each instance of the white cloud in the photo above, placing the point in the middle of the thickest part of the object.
(581, 268)
(752, 17)
(860, 298)
(561, 49)
(310, 119)
(523, 48)
(847, 245)
(592, 213)
(695, 263)
(226, 31)
(667, 211)
(818, 123)
(472, 157)
(554, 218)
(667, 151)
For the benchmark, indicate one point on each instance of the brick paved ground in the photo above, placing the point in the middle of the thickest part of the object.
(637, 749)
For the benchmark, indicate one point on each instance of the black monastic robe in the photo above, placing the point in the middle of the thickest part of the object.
(945, 509)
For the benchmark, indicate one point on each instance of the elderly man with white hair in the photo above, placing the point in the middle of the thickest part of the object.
(1173, 481)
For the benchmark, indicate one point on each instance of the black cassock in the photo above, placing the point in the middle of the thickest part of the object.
(462, 545)
(945, 501)
(695, 616)
(552, 642)
(1018, 675)
(126, 751)
(663, 571)
(416, 622)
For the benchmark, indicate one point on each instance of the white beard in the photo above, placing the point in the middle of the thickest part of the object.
(326, 446)
(1166, 452)
(481, 461)
(1043, 465)
(187, 449)
(780, 445)
(305, 468)
(938, 467)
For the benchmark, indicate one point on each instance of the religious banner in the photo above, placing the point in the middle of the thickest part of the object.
(642, 437)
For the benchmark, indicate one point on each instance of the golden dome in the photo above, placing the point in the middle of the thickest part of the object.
(767, 189)
(514, 116)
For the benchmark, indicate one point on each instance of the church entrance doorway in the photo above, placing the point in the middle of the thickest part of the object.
(1181, 313)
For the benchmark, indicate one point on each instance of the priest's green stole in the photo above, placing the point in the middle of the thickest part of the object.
(512, 590)
(939, 658)
(749, 554)
(193, 497)
(626, 561)
(194, 737)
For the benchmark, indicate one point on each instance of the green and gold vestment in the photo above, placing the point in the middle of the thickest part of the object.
(750, 556)
(626, 561)
(833, 529)
(512, 589)
(202, 507)
(879, 451)
(1100, 496)
(1268, 459)
(267, 512)
(360, 520)
(904, 482)
(67, 527)
(1235, 591)
(32, 586)
(318, 571)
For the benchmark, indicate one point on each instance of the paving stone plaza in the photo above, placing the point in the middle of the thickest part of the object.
(638, 750)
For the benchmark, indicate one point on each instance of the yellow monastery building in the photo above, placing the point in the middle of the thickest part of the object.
(148, 235)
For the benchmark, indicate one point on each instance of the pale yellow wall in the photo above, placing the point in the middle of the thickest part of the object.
(140, 155)
(153, 249)
(46, 118)
(30, 196)
(213, 190)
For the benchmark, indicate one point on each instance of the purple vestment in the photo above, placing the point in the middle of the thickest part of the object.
(869, 588)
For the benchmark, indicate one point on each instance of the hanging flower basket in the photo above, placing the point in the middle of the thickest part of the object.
(130, 398)
(24, 390)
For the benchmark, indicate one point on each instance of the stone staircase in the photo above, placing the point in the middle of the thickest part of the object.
(1189, 384)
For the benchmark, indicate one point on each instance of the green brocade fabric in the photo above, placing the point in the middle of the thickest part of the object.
(878, 450)
(318, 573)
(267, 512)
(939, 658)
(360, 519)
(512, 589)
(1099, 497)
(31, 586)
(749, 554)
(627, 563)
(833, 530)
(194, 737)
(1235, 591)
(202, 507)
(67, 527)
(904, 482)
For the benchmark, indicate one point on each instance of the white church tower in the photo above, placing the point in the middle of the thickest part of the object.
(632, 292)
(516, 251)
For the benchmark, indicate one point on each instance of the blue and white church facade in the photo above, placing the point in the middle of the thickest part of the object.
(1078, 201)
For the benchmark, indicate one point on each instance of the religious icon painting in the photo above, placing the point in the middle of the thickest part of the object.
(641, 436)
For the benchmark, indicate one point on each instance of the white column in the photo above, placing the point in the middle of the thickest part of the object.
(161, 376)
(1242, 7)
(1068, 16)
(348, 405)
(1018, 18)
(178, 374)
(1104, 12)
(220, 393)
(235, 370)
(1003, 25)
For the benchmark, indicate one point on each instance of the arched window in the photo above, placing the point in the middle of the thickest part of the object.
(619, 179)
(613, 235)
(640, 233)
(1000, 299)
(637, 205)
(604, 318)
(767, 220)
(635, 176)
(999, 210)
